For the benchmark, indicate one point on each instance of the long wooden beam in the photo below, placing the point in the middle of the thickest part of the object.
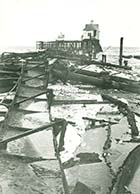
(32, 87)
(96, 74)
(7, 101)
(8, 78)
(33, 67)
(126, 110)
(31, 78)
(26, 111)
(99, 120)
(24, 159)
(110, 65)
(27, 133)
(61, 102)
(29, 98)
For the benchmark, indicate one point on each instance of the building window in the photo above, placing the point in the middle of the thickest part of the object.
(89, 35)
(95, 32)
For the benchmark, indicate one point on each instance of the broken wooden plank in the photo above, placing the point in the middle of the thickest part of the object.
(87, 72)
(4, 104)
(63, 75)
(64, 180)
(28, 78)
(32, 87)
(98, 74)
(34, 67)
(126, 110)
(34, 62)
(18, 128)
(8, 79)
(27, 133)
(26, 111)
(114, 100)
(108, 113)
(7, 74)
(61, 102)
(110, 65)
(126, 172)
(29, 98)
(99, 120)
(23, 158)
(103, 80)
(28, 91)
(7, 101)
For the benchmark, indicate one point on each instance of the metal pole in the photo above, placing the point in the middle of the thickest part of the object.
(121, 51)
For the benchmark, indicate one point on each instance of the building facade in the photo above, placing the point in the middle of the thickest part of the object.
(88, 45)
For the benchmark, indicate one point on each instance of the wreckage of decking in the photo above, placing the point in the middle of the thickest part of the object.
(11, 128)
(32, 94)
(102, 80)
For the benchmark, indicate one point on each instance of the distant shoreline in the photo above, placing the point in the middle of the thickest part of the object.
(110, 50)
(17, 49)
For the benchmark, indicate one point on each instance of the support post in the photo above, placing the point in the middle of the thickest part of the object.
(104, 58)
(121, 51)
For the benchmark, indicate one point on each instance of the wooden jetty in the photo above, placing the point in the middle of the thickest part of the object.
(13, 130)
(17, 129)
(114, 145)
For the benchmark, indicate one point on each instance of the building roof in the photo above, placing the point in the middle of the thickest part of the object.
(91, 27)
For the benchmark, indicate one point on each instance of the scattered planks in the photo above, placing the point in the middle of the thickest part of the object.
(22, 158)
(3, 143)
(4, 74)
(85, 60)
(99, 120)
(67, 102)
(126, 173)
(59, 102)
(102, 79)
(110, 65)
(126, 110)
(29, 98)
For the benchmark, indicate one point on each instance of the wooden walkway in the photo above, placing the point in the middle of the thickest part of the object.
(29, 152)
(15, 129)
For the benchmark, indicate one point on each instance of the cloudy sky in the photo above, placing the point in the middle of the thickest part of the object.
(22, 22)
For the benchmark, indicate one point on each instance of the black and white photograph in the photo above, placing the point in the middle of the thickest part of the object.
(69, 97)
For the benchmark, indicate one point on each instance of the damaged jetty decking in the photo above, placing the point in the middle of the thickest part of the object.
(67, 140)
(22, 157)
(8, 77)
(106, 143)
(105, 78)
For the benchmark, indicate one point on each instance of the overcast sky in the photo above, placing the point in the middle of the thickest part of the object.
(22, 22)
